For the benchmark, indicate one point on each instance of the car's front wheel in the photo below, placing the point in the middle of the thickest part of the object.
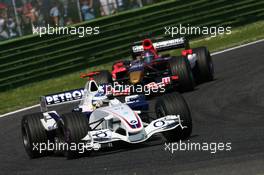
(73, 128)
(180, 66)
(174, 104)
(204, 67)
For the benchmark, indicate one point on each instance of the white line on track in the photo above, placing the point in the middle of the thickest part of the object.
(20, 110)
(237, 47)
(215, 53)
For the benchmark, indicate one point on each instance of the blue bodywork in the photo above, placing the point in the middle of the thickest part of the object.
(139, 103)
(136, 65)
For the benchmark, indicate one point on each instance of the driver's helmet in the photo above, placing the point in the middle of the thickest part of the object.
(148, 56)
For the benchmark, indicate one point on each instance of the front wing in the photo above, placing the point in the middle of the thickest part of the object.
(98, 137)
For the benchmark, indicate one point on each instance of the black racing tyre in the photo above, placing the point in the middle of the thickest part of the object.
(180, 66)
(104, 77)
(73, 128)
(174, 104)
(34, 134)
(204, 66)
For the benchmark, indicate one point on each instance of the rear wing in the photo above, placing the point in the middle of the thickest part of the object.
(70, 96)
(161, 44)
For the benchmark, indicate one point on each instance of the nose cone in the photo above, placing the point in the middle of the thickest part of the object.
(136, 77)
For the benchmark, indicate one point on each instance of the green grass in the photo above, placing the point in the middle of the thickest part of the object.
(29, 95)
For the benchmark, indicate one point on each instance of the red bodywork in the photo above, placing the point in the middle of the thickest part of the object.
(89, 75)
(148, 45)
(118, 67)
(187, 52)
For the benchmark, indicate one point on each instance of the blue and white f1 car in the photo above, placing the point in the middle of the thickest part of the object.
(101, 121)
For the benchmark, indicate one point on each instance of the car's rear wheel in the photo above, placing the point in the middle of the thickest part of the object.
(174, 104)
(204, 66)
(34, 135)
(180, 66)
(73, 129)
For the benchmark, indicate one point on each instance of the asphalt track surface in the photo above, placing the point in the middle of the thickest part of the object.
(228, 109)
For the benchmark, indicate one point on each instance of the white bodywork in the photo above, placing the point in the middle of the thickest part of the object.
(107, 121)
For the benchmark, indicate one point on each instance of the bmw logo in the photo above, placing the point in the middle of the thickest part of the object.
(159, 123)
(133, 122)
(101, 134)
